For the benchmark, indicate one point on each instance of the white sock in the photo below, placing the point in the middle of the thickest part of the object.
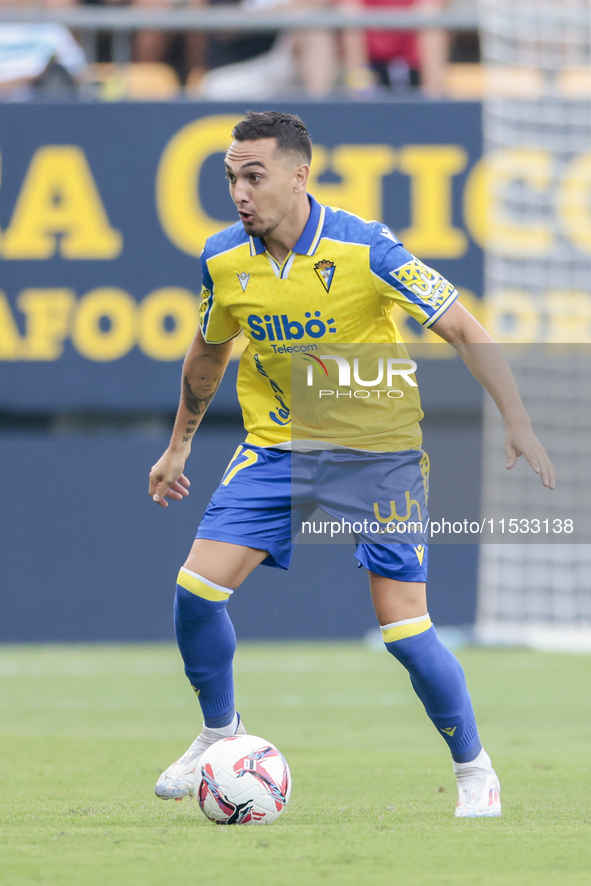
(482, 761)
(223, 731)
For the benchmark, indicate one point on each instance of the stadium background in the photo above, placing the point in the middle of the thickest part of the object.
(96, 318)
(104, 206)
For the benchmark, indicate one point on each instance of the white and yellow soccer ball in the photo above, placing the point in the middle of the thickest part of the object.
(242, 780)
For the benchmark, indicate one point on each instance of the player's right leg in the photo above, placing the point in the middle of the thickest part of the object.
(207, 642)
(247, 522)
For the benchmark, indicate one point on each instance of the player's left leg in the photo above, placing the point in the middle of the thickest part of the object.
(438, 679)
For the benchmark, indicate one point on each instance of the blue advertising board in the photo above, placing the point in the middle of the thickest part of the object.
(86, 556)
(104, 210)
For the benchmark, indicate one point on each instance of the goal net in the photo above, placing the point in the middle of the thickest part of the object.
(536, 179)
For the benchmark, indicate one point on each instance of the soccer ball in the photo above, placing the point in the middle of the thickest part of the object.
(242, 780)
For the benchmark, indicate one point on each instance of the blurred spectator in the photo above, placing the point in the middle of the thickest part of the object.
(228, 48)
(263, 65)
(151, 45)
(396, 59)
(154, 46)
(38, 58)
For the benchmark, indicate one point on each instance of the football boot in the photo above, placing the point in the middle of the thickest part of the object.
(479, 791)
(178, 780)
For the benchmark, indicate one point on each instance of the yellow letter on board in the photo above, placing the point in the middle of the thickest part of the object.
(431, 232)
(59, 197)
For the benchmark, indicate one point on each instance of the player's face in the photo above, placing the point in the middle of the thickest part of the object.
(264, 183)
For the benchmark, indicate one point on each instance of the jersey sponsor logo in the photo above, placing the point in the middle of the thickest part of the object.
(279, 327)
(243, 279)
(294, 349)
(325, 272)
(424, 282)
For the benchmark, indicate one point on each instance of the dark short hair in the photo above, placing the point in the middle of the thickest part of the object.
(289, 130)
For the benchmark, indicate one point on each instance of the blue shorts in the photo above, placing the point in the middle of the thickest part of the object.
(267, 496)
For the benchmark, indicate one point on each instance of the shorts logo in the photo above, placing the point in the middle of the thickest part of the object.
(325, 272)
(424, 282)
(243, 279)
(420, 552)
(393, 515)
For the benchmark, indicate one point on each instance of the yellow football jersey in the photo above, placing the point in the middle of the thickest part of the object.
(334, 292)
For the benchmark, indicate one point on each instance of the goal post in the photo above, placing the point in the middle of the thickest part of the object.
(537, 238)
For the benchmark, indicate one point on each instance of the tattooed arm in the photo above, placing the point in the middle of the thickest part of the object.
(203, 369)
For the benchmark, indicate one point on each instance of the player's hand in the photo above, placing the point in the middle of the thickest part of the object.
(167, 479)
(523, 441)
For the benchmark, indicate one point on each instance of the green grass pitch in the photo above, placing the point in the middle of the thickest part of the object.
(86, 730)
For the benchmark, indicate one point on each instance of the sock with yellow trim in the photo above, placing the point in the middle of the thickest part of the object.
(207, 641)
(438, 679)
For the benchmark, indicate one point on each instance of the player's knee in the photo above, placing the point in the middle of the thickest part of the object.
(202, 588)
(198, 599)
(410, 642)
(423, 654)
(188, 607)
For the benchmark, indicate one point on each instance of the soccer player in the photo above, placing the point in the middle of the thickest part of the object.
(292, 273)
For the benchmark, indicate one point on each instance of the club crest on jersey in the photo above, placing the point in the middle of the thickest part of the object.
(243, 279)
(325, 270)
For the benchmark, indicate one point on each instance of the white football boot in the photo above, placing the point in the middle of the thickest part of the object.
(479, 791)
(177, 781)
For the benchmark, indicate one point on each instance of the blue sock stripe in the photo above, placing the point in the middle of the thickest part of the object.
(217, 707)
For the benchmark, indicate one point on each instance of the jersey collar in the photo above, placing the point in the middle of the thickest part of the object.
(308, 242)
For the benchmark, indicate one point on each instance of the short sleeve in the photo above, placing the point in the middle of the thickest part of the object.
(398, 275)
(217, 324)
